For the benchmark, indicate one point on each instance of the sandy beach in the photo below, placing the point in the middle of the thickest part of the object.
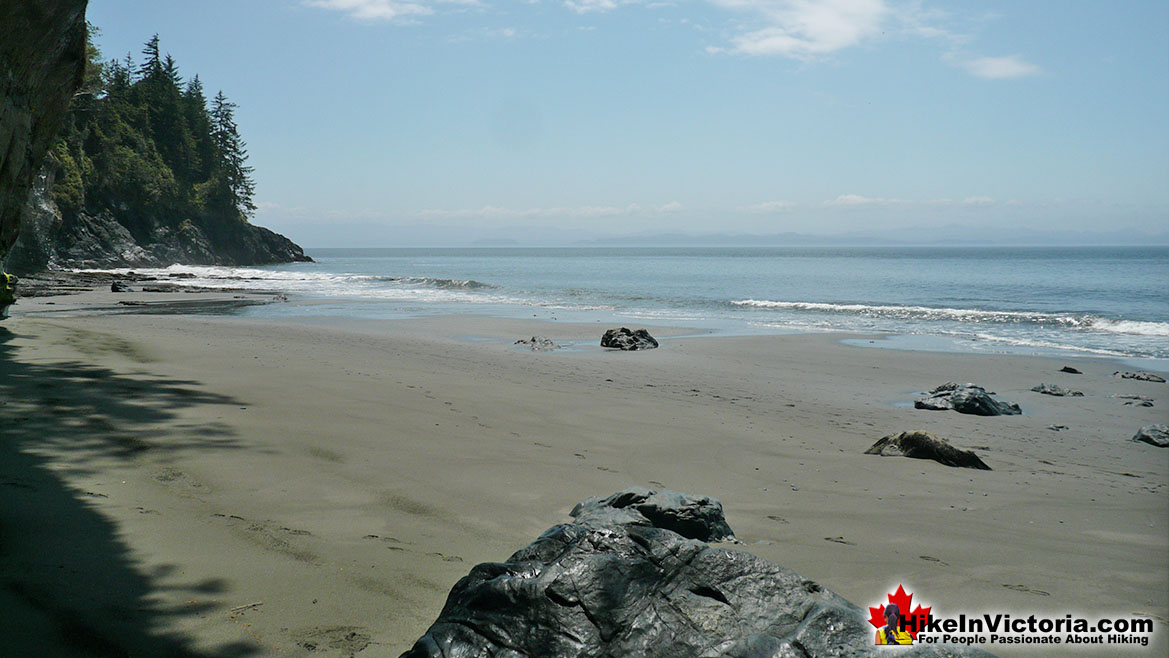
(214, 485)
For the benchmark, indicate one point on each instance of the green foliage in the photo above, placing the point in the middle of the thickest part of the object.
(143, 146)
(68, 190)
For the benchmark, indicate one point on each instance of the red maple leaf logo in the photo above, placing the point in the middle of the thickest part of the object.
(910, 622)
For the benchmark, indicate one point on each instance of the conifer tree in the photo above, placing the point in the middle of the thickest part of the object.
(236, 175)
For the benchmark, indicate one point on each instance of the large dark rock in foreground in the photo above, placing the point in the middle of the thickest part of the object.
(966, 399)
(617, 583)
(42, 61)
(624, 339)
(923, 445)
(1157, 435)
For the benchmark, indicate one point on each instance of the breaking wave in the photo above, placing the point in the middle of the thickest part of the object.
(925, 313)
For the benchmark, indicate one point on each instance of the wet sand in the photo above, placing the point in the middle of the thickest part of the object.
(225, 486)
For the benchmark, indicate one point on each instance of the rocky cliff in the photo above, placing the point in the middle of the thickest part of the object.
(87, 178)
(42, 61)
(50, 239)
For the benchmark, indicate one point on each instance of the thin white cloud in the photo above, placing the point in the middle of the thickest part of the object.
(770, 207)
(385, 10)
(998, 68)
(803, 29)
(587, 6)
(857, 200)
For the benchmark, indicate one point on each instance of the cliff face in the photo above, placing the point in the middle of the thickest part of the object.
(50, 239)
(42, 61)
(61, 209)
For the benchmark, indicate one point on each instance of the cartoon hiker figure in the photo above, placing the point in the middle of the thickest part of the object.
(7, 293)
(891, 633)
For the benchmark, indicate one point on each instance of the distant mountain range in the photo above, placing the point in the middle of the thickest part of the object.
(952, 236)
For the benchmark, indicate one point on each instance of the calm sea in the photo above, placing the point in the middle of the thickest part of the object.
(1111, 301)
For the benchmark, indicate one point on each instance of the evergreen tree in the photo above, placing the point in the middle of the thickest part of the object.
(234, 175)
(141, 144)
(153, 64)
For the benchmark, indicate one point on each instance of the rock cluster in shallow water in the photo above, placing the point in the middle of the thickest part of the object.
(624, 339)
(966, 399)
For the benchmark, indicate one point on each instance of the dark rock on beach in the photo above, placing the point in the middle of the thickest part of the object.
(1141, 376)
(1070, 370)
(923, 445)
(118, 286)
(1058, 391)
(966, 399)
(1157, 435)
(1135, 400)
(538, 344)
(624, 339)
(618, 582)
(693, 517)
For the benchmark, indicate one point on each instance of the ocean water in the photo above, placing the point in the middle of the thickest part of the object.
(1108, 301)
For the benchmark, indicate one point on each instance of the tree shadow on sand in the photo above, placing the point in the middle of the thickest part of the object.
(69, 585)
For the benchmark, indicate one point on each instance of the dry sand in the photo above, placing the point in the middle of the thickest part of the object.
(223, 486)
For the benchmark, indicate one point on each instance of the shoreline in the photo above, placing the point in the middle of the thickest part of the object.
(181, 298)
(346, 474)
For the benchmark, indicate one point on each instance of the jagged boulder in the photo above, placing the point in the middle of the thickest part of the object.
(1157, 435)
(624, 339)
(966, 399)
(693, 517)
(1058, 391)
(923, 445)
(615, 582)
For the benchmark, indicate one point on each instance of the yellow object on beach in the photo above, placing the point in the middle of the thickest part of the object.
(7, 293)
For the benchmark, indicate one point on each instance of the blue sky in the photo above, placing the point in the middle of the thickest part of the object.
(388, 122)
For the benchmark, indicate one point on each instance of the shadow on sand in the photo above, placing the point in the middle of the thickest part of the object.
(69, 585)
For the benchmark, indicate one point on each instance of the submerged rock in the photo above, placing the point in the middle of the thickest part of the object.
(1142, 376)
(966, 399)
(624, 339)
(617, 582)
(1157, 435)
(923, 445)
(538, 344)
(1070, 370)
(1058, 391)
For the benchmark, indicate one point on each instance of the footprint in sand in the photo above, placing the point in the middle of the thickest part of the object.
(388, 540)
(274, 538)
(1024, 588)
(350, 640)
